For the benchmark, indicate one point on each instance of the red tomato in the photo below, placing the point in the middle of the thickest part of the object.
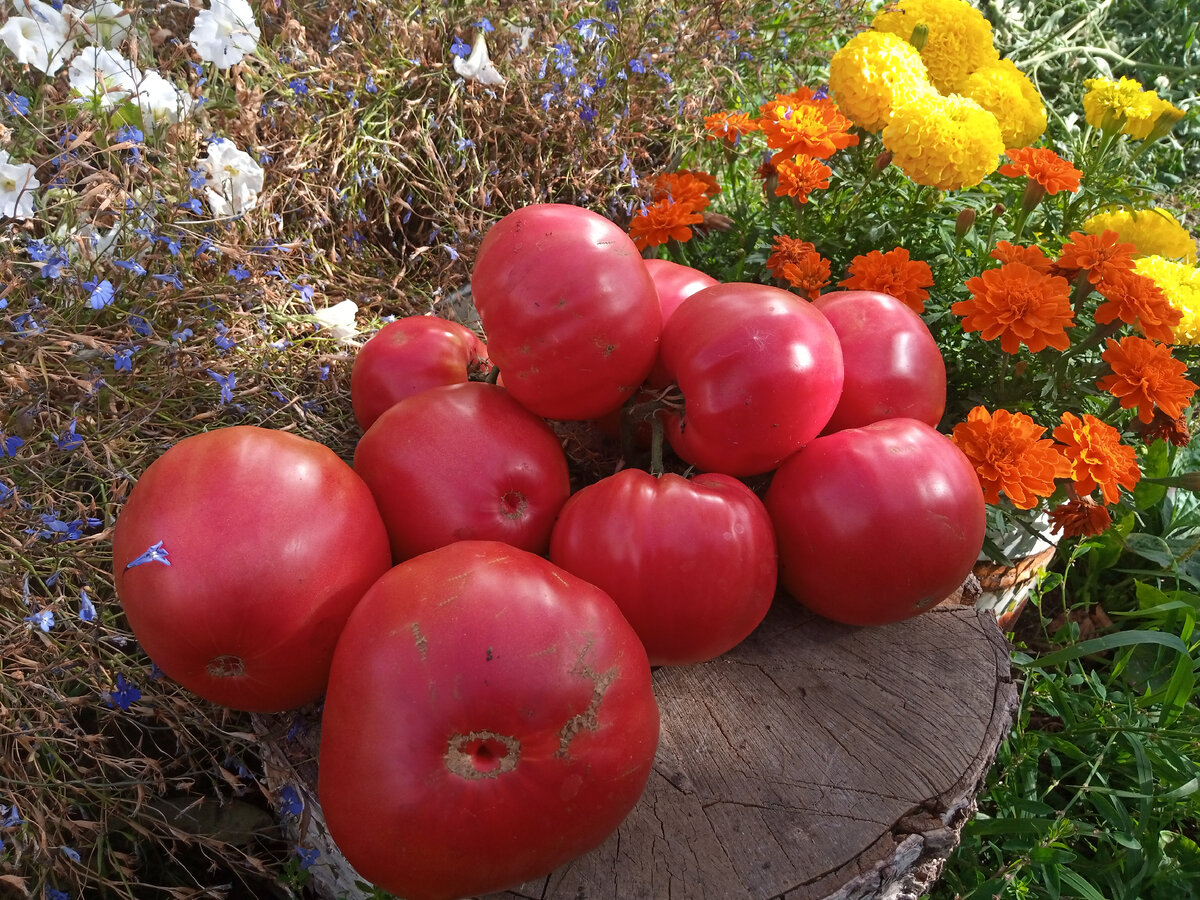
(570, 312)
(489, 718)
(238, 557)
(760, 370)
(463, 462)
(690, 562)
(675, 283)
(894, 369)
(408, 356)
(876, 524)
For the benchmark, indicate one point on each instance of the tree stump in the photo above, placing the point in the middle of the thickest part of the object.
(814, 760)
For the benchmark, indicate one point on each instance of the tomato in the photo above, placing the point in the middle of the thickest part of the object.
(894, 369)
(674, 283)
(876, 524)
(238, 557)
(569, 309)
(489, 718)
(411, 355)
(463, 462)
(760, 370)
(690, 562)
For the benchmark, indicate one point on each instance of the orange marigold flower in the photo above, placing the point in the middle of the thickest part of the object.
(1010, 455)
(1033, 255)
(661, 221)
(1146, 375)
(729, 126)
(1137, 300)
(1164, 428)
(1080, 517)
(800, 176)
(799, 264)
(802, 124)
(1097, 254)
(1019, 305)
(694, 189)
(1098, 458)
(891, 273)
(1044, 166)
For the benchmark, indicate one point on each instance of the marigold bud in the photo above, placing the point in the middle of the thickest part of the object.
(964, 223)
(998, 210)
(883, 160)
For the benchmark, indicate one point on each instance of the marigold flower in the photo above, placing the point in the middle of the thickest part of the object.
(800, 176)
(1110, 105)
(1008, 94)
(1098, 254)
(1098, 458)
(1010, 455)
(891, 273)
(1044, 166)
(871, 72)
(799, 264)
(1164, 428)
(802, 124)
(1153, 232)
(694, 189)
(1181, 285)
(944, 142)
(1080, 517)
(959, 41)
(729, 126)
(1136, 300)
(662, 221)
(1032, 255)
(1145, 375)
(1019, 305)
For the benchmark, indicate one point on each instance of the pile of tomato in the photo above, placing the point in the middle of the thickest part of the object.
(483, 634)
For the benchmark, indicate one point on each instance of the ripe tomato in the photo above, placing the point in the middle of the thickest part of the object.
(408, 356)
(760, 370)
(570, 312)
(463, 462)
(876, 524)
(489, 718)
(238, 557)
(690, 562)
(894, 369)
(675, 283)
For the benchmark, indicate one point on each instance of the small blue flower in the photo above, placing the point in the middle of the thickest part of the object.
(308, 856)
(15, 104)
(181, 334)
(125, 694)
(290, 803)
(68, 440)
(335, 34)
(223, 340)
(821, 93)
(123, 359)
(130, 265)
(38, 251)
(10, 444)
(306, 292)
(637, 66)
(299, 86)
(484, 24)
(171, 278)
(460, 48)
(227, 383)
(43, 619)
(7, 490)
(323, 372)
(197, 179)
(87, 609)
(156, 553)
(193, 205)
(70, 853)
(56, 894)
(53, 267)
(156, 673)
(239, 273)
(371, 87)
(102, 295)
(11, 818)
(140, 325)
(129, 133)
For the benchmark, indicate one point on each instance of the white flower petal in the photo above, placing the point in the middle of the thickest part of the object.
(478, 66)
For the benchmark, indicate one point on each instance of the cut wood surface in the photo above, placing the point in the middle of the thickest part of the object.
(814, 760)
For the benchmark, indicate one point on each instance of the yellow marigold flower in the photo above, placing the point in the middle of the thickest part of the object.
(947, 142)
(1008, 94)
(870, 73)
(1181, 283)
(959, 41)
(1153, 231)
(1110, 105)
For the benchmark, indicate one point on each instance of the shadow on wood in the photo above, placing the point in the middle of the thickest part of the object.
(814, 760)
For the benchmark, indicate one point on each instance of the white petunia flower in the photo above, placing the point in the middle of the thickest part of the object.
(160, 100)
(234, 179)
(38, 39)
(338, 320)
(225, 33)
(17, 184)
(99, 22)
(478, 66)
(99, 74)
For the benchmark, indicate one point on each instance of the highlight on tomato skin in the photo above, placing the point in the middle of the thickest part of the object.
(489, 718)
